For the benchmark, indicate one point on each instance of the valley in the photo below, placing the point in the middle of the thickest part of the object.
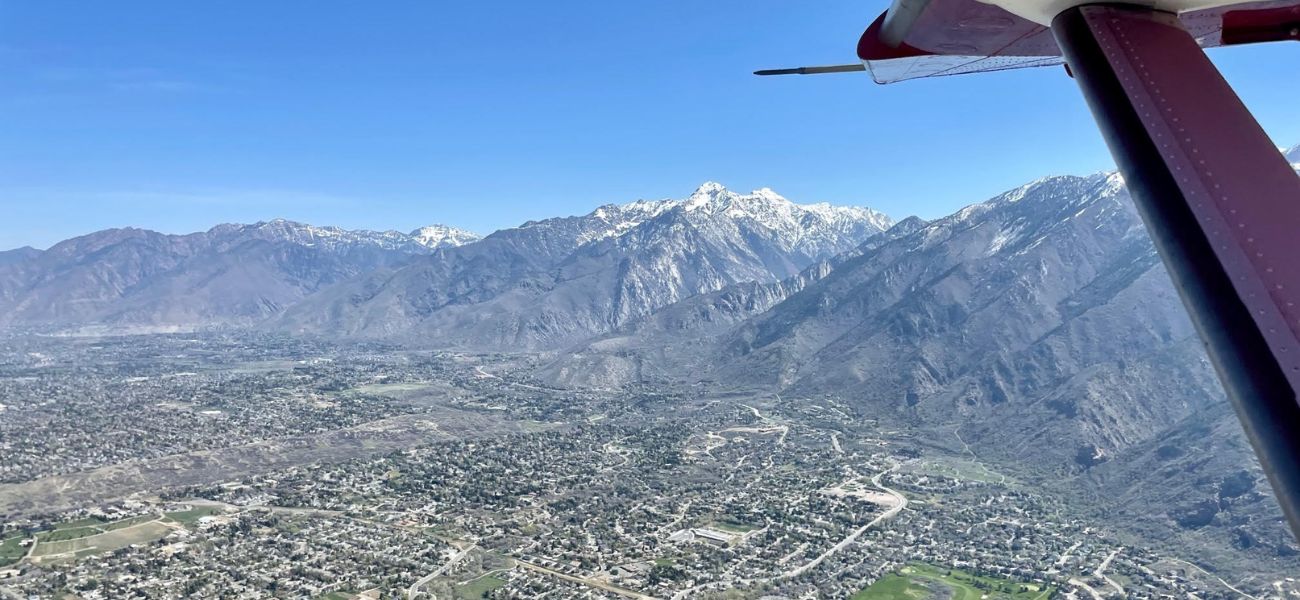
(498, 483)
(725, 396)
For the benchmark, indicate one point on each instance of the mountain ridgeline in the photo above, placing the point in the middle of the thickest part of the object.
(138, 280)
(1038, 329)
(549, 284)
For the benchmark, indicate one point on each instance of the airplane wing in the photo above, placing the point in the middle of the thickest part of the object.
(953, 37)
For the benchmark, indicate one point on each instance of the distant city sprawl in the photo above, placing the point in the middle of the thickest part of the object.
(448, 475)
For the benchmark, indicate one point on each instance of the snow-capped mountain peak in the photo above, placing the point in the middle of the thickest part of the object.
(804, 230)
(443, 236)
(706, 195)
(813, 229)
(771, 210)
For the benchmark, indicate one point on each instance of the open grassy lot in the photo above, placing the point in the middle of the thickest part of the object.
(86, 522)
(893, 587)
(392, 389)
(918, 582)
(260, 366)
(478, 587)
(730, 525)
(129, 522)
(71, 533)
(10, 551)
(72, 530)
(87, 527)
(139, 533)
(958, 468)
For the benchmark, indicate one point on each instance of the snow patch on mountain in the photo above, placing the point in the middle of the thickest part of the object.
(443, 236)
(763, 207)
(620, 218)
(312, 236)
(420, 241)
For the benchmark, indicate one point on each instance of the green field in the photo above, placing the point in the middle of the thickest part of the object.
(10, 551)
(477, 588)
(128, 522)
(893, 587)
(918, 582)
(71, 533)
(139, 533)
(87, 527)
(86, 522)
(72, 530)
(957, 468)
(733, 526)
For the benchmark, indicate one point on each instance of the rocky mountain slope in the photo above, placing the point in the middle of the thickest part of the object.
(1040, 320)
(678, 338)
(230, 274)
(941, 320)
(544, 284)
(1039, 324)
(18, 255)
(552, 283)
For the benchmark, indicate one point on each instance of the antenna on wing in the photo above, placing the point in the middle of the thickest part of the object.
(813, 70)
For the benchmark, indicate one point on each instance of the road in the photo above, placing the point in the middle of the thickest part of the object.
(784, 429)
(1101, 571)
(1220, 579)
(965, 447)
(600, 585)
(486, 375)
(757, 414)
(1085, 587)
(681, 515)
(1068, 551)
(414, 590)
(31, 550)
(853, 537)
(1002, 479)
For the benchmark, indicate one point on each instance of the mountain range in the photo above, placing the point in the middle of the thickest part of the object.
(1037, 324)
(229, 275)
(548, 284)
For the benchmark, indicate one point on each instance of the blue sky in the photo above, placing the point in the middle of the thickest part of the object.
(389, 115)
